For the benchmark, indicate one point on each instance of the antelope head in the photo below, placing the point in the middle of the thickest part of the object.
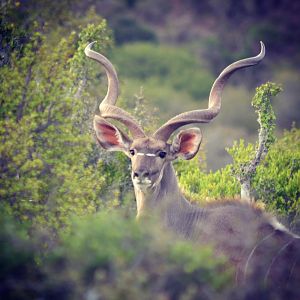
(151, 155)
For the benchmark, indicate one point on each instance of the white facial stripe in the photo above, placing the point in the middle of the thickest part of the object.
(159, 177)
(147, 154)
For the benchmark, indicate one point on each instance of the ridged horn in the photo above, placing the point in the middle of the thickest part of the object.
(107, 106)
(214, 103)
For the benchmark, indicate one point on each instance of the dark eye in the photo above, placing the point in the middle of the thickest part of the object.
(132, 152)
(162, 154)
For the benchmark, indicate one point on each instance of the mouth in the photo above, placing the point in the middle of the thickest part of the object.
(142, 184)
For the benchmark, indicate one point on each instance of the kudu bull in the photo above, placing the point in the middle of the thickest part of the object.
(246, 235)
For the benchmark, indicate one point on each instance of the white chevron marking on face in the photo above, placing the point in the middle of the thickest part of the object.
(147, 154)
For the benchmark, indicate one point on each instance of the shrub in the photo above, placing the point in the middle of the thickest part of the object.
(200, 186)
(46, 173)
(109, 257)
(277, 181)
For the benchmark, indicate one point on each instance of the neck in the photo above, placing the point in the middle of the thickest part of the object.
(164, 199)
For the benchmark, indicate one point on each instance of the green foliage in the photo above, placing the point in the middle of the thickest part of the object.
(110, 256)
(18, 269)
(245, 159)
(277, 181)
(116, 246)
(13, 37)
(46, 174)
(262, 106)
(241, 154)
(99, 33)
(167, 65)
(198, 185)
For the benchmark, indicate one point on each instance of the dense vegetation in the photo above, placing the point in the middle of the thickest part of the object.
(67, 229)
(275, 182)
(108, 256)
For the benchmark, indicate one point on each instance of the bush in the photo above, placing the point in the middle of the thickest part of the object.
(109, 257)
(277, 181)
(18, 269)
(46, 173)
(200, 186)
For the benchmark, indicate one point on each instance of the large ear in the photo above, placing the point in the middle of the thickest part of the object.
(187, 142)
(109, 136)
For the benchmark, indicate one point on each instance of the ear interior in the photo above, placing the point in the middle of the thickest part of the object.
(187, 143)
(109, 136)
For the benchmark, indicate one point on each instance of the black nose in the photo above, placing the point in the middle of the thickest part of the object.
(140, 174)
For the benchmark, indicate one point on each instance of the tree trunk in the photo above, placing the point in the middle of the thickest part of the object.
(245, 190)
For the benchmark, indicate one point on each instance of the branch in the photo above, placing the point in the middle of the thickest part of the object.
(20, 108)
(82, 85)
(244, 172)
(49, 122)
